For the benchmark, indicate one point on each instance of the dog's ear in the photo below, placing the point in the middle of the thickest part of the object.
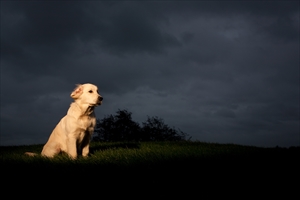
(77, 91)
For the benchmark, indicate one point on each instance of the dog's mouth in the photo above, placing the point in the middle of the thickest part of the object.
(98, 103)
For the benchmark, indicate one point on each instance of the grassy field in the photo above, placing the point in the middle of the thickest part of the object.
(161, 168)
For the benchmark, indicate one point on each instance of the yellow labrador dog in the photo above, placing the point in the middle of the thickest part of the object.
(73, 133)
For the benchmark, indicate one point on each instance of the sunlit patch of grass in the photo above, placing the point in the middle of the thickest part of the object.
(130, 153)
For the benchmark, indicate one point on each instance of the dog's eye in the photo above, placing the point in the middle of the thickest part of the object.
(91, 91)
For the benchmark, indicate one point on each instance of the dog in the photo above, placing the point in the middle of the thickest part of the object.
(73, 133)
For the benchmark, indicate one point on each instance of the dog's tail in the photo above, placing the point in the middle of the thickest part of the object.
(31, 154)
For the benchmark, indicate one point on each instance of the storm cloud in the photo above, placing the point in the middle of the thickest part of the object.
(221, 71)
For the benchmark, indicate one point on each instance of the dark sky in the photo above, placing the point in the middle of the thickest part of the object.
(224, 72)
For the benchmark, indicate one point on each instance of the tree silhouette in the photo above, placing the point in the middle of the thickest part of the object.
(121, 127)
(154, 129)
(117, 128)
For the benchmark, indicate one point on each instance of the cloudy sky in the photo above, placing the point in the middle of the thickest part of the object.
(224, 72)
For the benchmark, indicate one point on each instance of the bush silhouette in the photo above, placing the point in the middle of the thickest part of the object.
(121, 127)
(154, 129)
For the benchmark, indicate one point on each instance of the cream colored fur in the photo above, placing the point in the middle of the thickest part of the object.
(73, 133)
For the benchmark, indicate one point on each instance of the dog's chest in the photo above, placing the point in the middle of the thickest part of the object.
(87, 122)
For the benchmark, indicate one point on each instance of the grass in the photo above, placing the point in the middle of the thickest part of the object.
(165, 168)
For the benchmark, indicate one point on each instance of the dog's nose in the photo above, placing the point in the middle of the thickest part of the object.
(100, 98)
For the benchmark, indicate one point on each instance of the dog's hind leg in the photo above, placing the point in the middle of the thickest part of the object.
(51, 149)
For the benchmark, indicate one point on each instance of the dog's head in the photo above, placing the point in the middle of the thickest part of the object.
(87, 94)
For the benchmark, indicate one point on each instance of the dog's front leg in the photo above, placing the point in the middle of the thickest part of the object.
(85, 150)
(86, 144)
(71, 147)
